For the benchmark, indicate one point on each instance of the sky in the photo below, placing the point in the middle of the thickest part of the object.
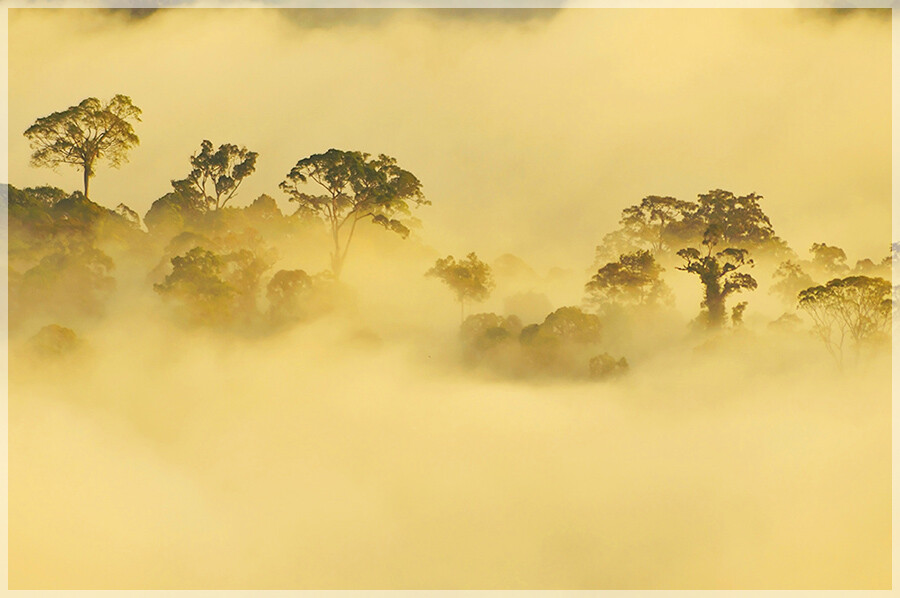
(356, 450)
(530, 131)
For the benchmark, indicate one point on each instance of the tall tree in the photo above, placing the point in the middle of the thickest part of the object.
(217, 174)
(357, 187)
(662, 222)
(719, 276)
(470, 279)
(83, 134)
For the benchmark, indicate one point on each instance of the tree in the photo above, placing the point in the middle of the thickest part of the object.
(661, 222)
(217, 174)
(739, 219)
(470, 279)
(719, 276)
(790, 279)
(856, 307)
(196, 282)
(357, 187)
(830, 260)
(83, 134)
(286, 292)
(633, 279)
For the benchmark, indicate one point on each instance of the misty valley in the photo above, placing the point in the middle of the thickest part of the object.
(282, 372)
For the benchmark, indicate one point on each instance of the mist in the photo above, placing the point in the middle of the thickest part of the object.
(392, 430)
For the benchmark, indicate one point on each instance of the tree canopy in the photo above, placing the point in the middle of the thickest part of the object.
(83, 134)
(357, 187)
(855, 308)
(633, 279)
(719, 276)
(470, 279)
(217, 174)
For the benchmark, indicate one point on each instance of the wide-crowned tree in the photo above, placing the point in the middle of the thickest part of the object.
(662, 223)
(719, 274)
(83, 134)
(633, 279)
(856, 308)
(357, 187)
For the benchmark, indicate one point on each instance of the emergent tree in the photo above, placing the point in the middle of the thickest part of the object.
(217, 174)
(719, 276)
(80, 135)
(357, 187)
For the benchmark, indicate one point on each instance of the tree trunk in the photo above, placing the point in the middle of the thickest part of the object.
(87, 179)
(336, 259)
(715, 304)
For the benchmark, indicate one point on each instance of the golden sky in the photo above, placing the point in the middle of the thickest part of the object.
(529, 135)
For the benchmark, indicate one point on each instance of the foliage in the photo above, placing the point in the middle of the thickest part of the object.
(829, 259)
(739, 220)
(855, 308)
(357, 187)
(196, 283)
(54, 341)
(216, 175)
(719, 276)
(634, 279)
(790, 279)
(83, 134)
(660, 224)
(561, 345)
(470, 279)
(70, 282)
(605, 366)
(287, 292)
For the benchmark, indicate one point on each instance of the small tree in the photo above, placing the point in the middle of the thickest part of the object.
(196, 282)
(790, 279)
(80, 135)
(217, 174)
(357, 187)
(719, 276)
(633, 279)
(856, 308)
(829, 259)
(470, 279)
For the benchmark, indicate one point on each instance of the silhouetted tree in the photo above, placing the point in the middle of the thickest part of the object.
(830, 260)
(633, 279)
(659, 224)
(740, 220)
(83, 134)
(562, 343)
(286, 293)
(790, 279)
(662, 222)
(470, 278)
(719, 276)
(196, 282)
(357, 187)
(217, 174)
(69, 282)
(857, 308)
(605, 366)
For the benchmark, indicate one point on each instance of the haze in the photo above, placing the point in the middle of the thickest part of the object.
(182, 417)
